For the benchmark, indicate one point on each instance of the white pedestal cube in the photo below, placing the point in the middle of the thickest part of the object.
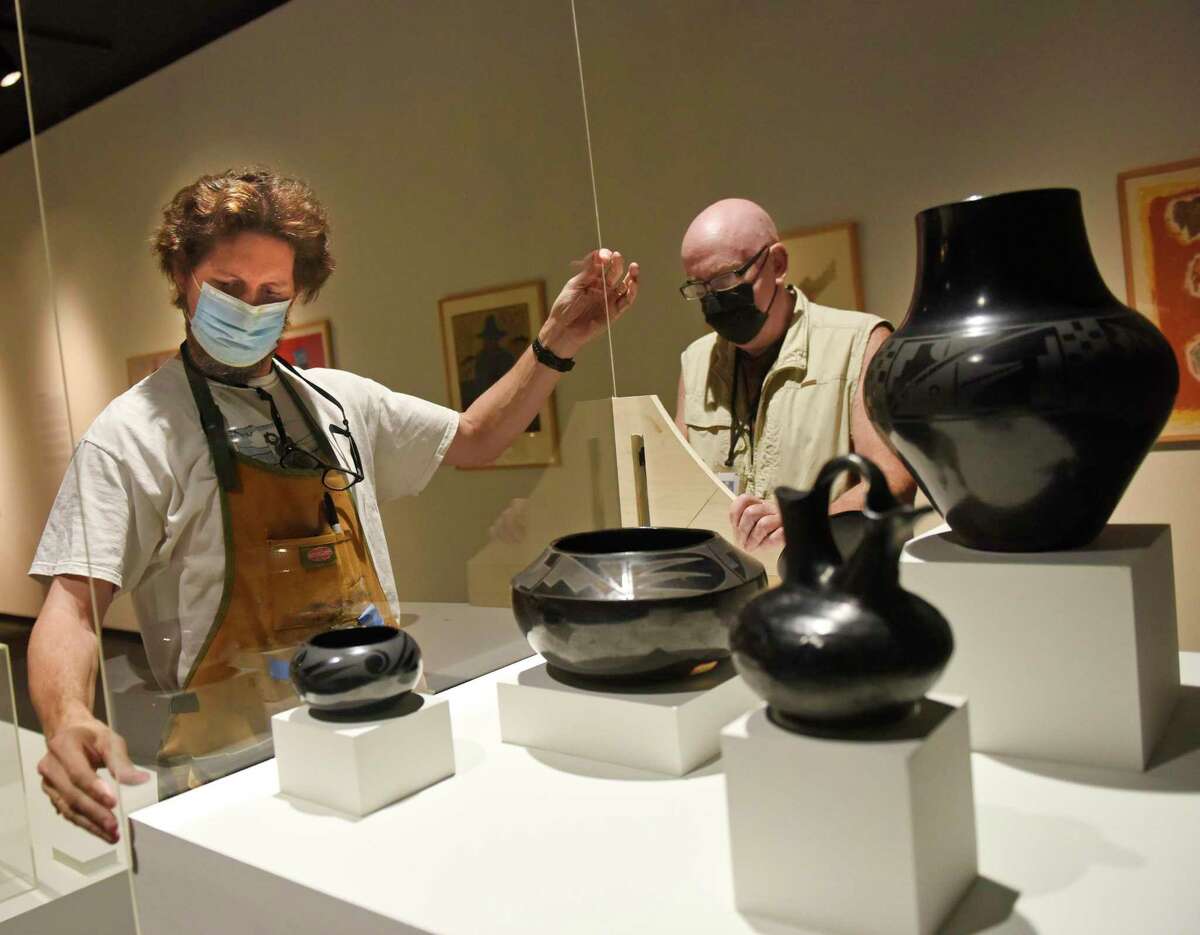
(1069, 656)
(670, 727)
(357, 767)
(870, 832)
(84, 852)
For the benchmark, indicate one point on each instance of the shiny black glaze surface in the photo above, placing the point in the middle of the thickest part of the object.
(355, 667)
(1021, 394)
(840, 643)
(634, 603)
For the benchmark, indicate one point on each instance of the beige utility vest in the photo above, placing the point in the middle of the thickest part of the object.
(803, 416)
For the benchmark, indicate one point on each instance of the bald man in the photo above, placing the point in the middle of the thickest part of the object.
(775, 390)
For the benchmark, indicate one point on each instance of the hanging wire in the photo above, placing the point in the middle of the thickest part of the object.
(122, 817)
(587, 126)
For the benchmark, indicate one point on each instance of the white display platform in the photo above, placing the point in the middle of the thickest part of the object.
(358, 766)
(85, 853)
(18, 873)
(669, 727)
(522, 842)
(93, 896)
(872, 831)
(461, 642)
(1067, 656)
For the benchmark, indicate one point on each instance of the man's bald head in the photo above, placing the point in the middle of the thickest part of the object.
(724, 235)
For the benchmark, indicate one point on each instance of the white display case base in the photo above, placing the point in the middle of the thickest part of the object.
(87, 854)
(1070, 656)
(666, 727)
(357, 767)
(870, 832)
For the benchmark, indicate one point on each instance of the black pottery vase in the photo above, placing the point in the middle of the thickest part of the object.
(634, 603)
(356, 668)
(1020, 393)
(839, 644)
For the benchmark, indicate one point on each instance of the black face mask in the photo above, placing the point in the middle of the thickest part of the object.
(733, 314)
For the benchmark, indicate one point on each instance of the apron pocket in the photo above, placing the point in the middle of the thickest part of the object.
(314, 583)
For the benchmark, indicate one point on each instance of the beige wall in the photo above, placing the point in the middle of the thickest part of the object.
(874, 111)
(445, 139)
(34, 443)
(447, 142)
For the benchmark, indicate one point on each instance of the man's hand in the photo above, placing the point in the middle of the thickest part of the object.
(579, 312)
(755, 522)
(69, 778)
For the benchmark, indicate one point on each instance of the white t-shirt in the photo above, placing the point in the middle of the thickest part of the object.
(147, 494)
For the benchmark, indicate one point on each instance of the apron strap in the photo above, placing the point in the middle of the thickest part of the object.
(213, 423)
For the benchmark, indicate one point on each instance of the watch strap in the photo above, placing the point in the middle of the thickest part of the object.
(550, 359)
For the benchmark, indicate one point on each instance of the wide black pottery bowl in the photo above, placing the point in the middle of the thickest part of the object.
(356, 667)
(635, 602)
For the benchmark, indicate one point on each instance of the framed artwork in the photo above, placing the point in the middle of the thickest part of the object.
(823, 264)
(309, 345)
(483, 334)
(1160, 236)
(302, 346)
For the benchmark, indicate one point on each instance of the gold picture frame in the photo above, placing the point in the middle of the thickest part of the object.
(1160, 240)
(823, 263)
(303, 346)
(483, 334)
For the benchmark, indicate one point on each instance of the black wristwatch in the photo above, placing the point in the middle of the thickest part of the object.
(550, 359)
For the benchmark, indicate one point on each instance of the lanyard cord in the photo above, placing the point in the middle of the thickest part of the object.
(737, 427)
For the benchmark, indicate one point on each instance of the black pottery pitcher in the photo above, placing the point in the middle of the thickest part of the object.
(839, 643)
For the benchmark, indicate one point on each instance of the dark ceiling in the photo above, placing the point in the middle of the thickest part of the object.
(81, 51)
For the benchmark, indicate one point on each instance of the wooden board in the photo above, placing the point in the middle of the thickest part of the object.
(596, 488)
(578, 494)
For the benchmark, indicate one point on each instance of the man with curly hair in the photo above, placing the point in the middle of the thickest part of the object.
(236, 499)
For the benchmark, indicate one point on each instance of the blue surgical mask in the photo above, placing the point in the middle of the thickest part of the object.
(233, 332)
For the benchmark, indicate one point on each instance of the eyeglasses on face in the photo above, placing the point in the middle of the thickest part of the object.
(722, 282)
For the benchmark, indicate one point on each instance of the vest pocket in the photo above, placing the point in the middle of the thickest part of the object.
(315, 583)
(698, 417)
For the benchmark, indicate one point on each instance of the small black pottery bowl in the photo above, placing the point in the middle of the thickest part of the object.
(633, 603)
(354, 668)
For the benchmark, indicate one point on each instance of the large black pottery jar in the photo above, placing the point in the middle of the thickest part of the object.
(352, 668)
(635, 602)
(1021, 394)
(839, 644)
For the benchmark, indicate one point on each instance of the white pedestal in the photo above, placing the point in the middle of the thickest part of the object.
(874, 834)
(357, 767)
(670, 727)
(1069, 656)
(84, 852)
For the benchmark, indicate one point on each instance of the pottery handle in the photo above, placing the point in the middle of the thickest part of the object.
(879, 499)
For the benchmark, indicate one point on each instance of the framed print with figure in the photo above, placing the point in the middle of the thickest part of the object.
(483, 334)
(823, 264)
(1160, 236)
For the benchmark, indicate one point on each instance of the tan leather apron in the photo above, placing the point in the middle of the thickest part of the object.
(288, 575)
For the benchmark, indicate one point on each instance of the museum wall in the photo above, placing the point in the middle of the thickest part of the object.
(472, 172)
(825, 112)
(36, 444)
